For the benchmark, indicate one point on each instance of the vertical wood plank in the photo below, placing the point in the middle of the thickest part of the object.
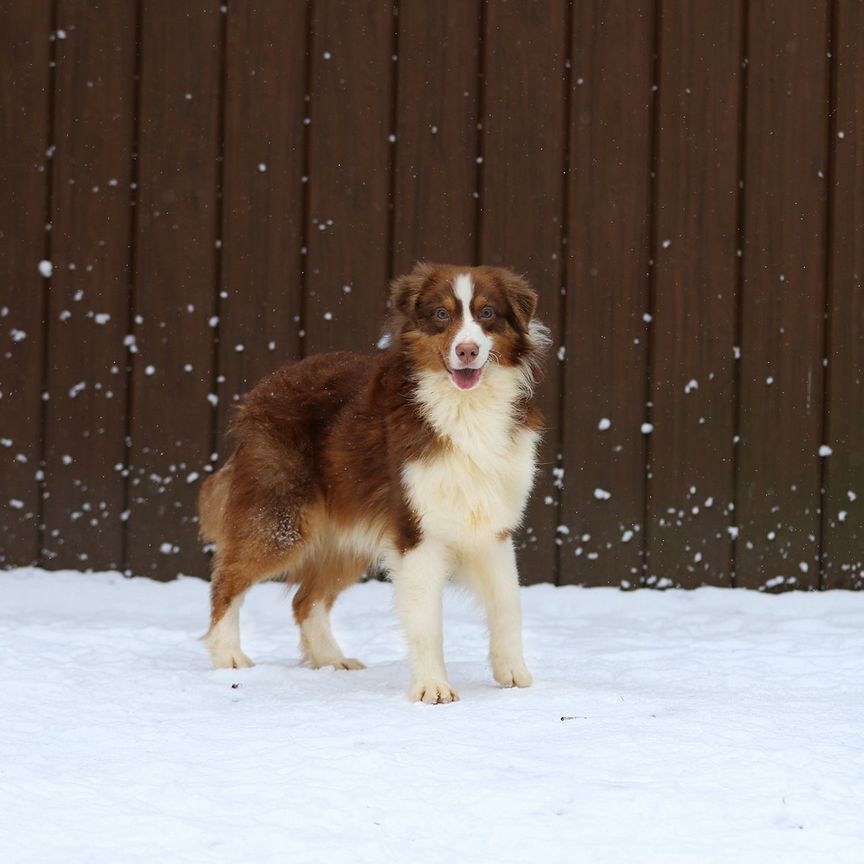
(171, 422)
(85, 419)
(436, 138)
(24, 106)
(843, 507)
(691, 453)
(783, 301)
(608, 292)
(350, 150)
(260, 300)
(523, 159)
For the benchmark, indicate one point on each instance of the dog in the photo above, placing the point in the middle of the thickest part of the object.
(420, 460)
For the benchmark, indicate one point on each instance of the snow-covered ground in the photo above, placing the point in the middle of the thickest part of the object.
(711, 726)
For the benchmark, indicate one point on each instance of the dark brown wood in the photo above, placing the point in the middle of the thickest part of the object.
(92, 165)
(379, 106)
(349, 173)
(691, 452)
(177, 229)
(607, 292)
(436, 141)
(522, 208)
(261, 301)
(24, 106)
(843, 517)
(783, 295)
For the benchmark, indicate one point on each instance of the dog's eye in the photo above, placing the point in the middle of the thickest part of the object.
(442, 314)
(486, 313)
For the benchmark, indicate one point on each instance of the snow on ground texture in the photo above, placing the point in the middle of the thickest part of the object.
(710, 726)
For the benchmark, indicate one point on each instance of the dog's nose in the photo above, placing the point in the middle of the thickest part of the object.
(467, 352)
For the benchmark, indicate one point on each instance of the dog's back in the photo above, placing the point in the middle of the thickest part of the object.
(279, 432)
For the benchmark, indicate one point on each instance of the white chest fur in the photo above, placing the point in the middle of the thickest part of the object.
(480, 483)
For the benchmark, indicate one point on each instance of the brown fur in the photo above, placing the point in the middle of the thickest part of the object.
(320, 445)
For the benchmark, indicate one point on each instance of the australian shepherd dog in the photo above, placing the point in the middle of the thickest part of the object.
(420, 460)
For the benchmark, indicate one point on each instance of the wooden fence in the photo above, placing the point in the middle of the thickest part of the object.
(193, 194)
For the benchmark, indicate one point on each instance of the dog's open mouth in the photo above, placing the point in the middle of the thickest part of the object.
(467, 379)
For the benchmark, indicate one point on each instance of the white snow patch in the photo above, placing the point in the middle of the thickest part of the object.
(602, 495)
(46, 268)
(825, 450)
(691, 385)
(604, 424)
(646, 428)
(721, 725)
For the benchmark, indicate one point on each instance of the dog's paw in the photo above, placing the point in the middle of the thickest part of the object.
(512, 674)
(433, 692)
(226, 659)
(343, 663)
(333, 662)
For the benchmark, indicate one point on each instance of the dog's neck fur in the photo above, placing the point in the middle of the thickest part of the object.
(480, 422)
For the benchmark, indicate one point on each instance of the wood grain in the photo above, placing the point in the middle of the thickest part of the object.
(691, 452)
(349, 174)
(92, 170)
(261, 299)
(778, 472)
(436, 195)
(24, 106)
(607, 293)
(172, 419)
(522, 207)
(843, 503)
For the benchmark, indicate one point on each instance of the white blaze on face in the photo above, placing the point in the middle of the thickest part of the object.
(470, 331)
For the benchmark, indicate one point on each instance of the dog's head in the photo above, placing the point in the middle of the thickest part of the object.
(456, 321)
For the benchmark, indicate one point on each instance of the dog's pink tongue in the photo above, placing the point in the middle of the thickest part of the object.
(466, 378)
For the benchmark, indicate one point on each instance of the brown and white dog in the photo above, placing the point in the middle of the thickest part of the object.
(420, 459)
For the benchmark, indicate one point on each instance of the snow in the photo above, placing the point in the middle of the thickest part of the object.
(706, 726)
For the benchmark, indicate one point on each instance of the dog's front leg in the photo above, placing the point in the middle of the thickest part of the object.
(419, 577)
(491, 572)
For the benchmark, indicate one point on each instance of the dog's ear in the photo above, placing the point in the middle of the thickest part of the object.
(404, 290)
(522, 296)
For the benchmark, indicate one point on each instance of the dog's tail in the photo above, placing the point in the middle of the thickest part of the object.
(211, 503)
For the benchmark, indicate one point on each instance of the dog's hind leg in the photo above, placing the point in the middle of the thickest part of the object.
(233, 575)
(322, 578)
